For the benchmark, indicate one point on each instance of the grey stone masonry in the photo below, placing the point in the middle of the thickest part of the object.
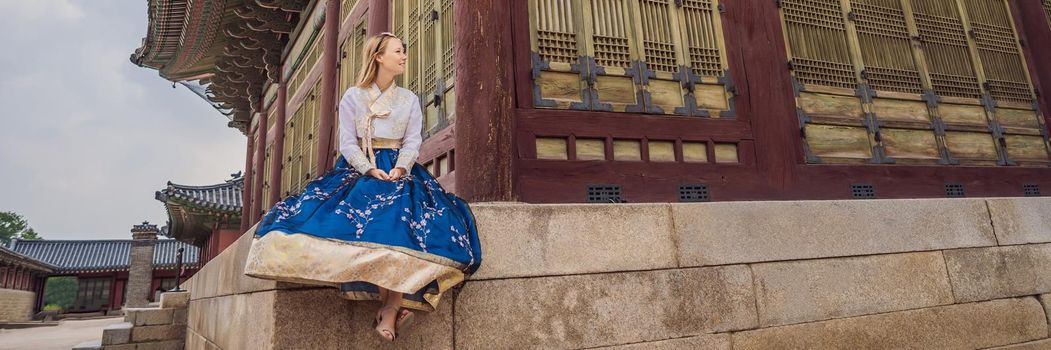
(958, 273)
(140, 273)
(157, 328)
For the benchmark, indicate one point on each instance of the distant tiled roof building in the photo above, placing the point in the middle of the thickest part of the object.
(225, 197)
(68, 256)
(195, 211)
(110, 273)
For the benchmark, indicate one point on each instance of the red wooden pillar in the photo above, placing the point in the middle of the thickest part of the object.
(379, 17)
(40, 288)
(246, 198)
(260, 155)
(484, 127)
(118, 293)
(755, 43)
(277, 150)
(329, 82)
(1034, 29)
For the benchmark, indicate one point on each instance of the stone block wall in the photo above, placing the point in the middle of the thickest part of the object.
(920, 273)
(16, 305)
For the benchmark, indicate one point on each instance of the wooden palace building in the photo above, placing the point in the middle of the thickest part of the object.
(641, 100)
(110, 273)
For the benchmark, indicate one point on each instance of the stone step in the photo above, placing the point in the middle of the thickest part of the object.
(89, 345)
(175, 344)
(175, 300)
(148, 316)
(115, 334)
(141, 334)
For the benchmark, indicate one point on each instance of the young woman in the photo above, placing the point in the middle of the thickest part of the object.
(378, 226)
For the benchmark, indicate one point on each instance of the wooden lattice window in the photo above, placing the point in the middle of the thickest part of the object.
(351, 60)
(817, 39)
(301, 143)
(638, 56)
(398, 23)
(264, 203)
(447, 43)
(1047, 11)
(994, 37)
(703, 43)
(306, 62)
(426, 27)
(944, 43)
(412, 35)
(93, 294)
(911, 81)
(271, 121)
(429, 55)
(886, 46)
(345, 6)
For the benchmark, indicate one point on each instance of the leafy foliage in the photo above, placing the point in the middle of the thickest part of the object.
(61, 291)
(13, 225)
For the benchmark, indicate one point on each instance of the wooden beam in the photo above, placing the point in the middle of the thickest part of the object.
(1034, 28)
(379, 17)
(278, 148)
(484, 127)
(329, 83)
(260, 155)
(246, 198)
(756, 52)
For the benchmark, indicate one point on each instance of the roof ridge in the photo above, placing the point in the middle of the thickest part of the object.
(92, 240)
(225, 183)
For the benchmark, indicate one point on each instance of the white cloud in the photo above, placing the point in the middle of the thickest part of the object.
(86, 136)
(35, 10)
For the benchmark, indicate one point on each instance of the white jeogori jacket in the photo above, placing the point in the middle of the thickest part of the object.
(396, 114)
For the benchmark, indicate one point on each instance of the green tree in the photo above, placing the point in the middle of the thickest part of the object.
(61, 291)
(30, 233)
(13, 225)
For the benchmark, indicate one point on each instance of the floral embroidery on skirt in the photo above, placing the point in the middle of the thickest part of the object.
(357, 232)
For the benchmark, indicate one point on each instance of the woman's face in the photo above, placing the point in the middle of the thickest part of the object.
(392, 59)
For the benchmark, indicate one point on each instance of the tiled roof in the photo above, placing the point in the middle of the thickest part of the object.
(224, 197)
(100, 255)
(14, 258)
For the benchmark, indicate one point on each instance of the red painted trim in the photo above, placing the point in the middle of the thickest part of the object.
(437, 144)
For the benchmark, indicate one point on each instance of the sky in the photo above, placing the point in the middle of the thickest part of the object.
(86, 136)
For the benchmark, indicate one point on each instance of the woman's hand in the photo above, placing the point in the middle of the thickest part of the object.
(396, 173)
(378, 173)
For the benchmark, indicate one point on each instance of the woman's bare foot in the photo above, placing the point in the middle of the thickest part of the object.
(385, 324)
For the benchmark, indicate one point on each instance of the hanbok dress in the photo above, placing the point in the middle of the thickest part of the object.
(356, 232)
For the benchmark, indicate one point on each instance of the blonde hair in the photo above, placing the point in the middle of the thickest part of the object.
(376, 45)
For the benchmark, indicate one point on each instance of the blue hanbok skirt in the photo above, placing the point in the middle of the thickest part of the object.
(356, 232)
